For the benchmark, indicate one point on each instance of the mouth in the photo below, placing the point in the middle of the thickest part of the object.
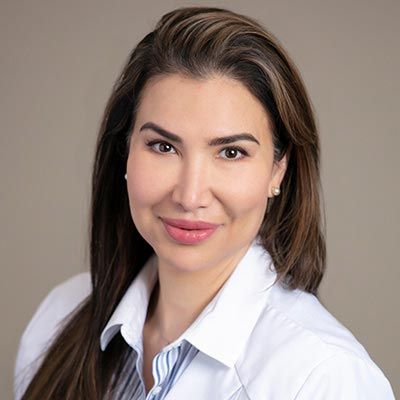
(189, 225)
(189, 235)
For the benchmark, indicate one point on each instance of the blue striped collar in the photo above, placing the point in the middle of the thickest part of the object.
(223, 327)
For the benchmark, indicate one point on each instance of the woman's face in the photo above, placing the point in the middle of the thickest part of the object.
(186, 177)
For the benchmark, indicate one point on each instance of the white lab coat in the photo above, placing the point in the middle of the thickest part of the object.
(257, 340)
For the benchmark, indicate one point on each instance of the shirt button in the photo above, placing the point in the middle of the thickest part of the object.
(157, 390)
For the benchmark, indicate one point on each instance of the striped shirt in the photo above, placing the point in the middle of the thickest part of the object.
(168, 365)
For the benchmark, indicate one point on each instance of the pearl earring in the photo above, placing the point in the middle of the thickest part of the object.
(126, 176)
(276, 191)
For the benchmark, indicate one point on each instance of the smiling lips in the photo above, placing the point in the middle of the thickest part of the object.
(189, 232)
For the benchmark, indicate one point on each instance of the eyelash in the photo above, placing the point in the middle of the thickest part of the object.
(151, 143)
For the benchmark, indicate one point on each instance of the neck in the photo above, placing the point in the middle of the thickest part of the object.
(180, 296)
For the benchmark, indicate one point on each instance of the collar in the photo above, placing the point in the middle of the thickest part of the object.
(130, 314)
(223, 327)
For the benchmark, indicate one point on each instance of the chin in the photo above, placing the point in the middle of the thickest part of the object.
(184, 258)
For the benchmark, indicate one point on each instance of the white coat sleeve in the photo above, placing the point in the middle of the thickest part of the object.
(346, 377)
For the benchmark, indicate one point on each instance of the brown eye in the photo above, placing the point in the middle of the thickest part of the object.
(232, 152)
(164, 147)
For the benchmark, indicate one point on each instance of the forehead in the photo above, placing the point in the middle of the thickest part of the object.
(217, 104)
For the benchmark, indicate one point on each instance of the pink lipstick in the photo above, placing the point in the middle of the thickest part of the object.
(189, 232)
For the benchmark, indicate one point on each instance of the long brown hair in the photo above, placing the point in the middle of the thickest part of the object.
(196, 42)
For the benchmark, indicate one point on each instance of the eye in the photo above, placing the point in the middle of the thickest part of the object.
(232, 151)
(163, 146)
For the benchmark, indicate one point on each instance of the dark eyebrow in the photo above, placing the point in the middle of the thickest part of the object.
(213, 142)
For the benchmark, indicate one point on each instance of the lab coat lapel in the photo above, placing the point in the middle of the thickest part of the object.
(205, 378)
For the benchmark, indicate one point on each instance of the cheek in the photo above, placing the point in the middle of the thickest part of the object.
(248, 192)
(244, 196)
(249, 206)
(142, 182)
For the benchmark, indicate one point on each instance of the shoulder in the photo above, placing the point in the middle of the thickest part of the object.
(301, 351)
(43, 326)
(345, 375)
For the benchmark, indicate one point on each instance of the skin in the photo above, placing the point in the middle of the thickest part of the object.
(195, 181)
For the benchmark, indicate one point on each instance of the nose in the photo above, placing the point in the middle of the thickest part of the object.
(192, 188)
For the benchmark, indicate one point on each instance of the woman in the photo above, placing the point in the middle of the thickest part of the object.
(206, 259)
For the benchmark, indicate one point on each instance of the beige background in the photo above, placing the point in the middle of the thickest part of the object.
(58, 63)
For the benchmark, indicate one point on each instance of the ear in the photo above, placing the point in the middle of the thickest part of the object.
(278, 172)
